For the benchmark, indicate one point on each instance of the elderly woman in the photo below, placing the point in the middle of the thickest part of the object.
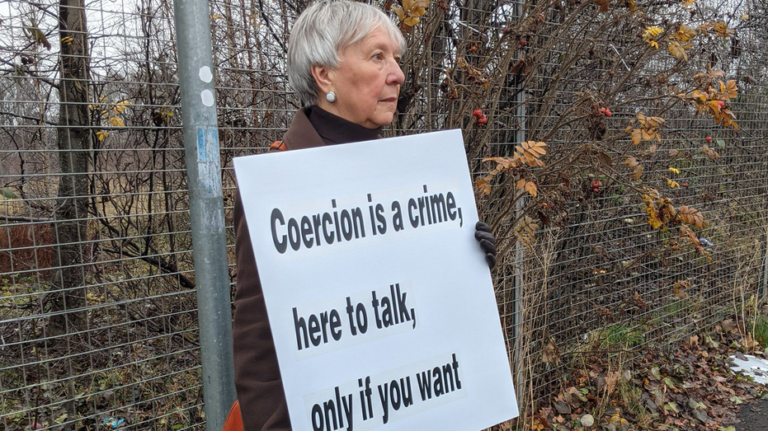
(343, 61)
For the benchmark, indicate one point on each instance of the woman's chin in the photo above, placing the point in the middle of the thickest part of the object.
(384, 119)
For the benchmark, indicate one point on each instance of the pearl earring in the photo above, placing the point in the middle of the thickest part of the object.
(330, 97)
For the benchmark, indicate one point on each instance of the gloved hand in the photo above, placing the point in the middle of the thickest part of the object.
(487, 242)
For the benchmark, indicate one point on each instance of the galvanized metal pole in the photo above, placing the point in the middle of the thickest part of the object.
(201, 144)
(763, 290)
(520, 136)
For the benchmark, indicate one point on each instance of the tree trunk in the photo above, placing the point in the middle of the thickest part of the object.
(68, 283)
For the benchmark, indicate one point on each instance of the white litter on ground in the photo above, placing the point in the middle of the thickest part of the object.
(754, 367)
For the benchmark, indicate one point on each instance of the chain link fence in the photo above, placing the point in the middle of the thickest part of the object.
(606, 253)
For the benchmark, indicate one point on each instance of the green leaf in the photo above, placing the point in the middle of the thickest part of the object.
(655, 373)
(61, 418)
(721, 143)
(8, 194)
(177, 426)
(671, 406)
(668, 382)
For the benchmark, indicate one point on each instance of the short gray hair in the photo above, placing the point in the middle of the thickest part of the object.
(325, 29)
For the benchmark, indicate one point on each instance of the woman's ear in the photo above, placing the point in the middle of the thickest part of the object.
(323, 77)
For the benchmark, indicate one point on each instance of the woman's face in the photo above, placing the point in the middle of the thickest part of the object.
(366, 82)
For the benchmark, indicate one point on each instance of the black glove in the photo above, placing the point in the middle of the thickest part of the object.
(487, 242)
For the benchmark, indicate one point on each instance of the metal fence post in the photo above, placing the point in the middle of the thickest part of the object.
(763, 289)
(520, 135)
(201, 146)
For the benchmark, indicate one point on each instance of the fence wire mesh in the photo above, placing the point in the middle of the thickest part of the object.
(98, 319)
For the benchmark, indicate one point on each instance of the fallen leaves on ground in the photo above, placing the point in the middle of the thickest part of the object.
(686, 386)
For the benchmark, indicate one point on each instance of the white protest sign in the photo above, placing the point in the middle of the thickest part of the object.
(380, 300)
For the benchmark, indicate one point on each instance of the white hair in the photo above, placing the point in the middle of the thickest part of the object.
(325, 29)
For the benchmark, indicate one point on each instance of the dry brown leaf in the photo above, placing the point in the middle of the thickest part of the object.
(692, 216)
(677, 51)
(483, 186)
(605, 159)
(525, 231)
(685, 33)
(530, 187)
(550, 354)
(603, 5)
(637, 172)
(531, 151)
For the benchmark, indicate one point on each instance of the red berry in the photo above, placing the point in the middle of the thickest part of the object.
(608, 112)
(523, 43)
(708, 139)
(482, 120)
(596, 184)
(595, 190)
(721, 104)
(685, 185)
(601, 110)
(477, 113)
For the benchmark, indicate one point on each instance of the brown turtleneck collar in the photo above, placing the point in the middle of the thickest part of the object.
(336, 130)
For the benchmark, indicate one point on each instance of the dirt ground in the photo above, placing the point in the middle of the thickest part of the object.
(753, 417)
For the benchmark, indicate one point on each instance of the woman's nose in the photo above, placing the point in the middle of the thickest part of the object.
(396, 75)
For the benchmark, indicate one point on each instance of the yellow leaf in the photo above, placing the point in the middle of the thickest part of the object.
(674, 170)
(672, 184)
(721, 29)
(120, 106)
(714, 106)
(685, 33)
(115, 122)
(632, 6)
(38, 36)
(399, 12)
(652, 31)
(411, 21)
(520, 184)
(418, 11)
(637, 136)
(102, 135)
(732, 89)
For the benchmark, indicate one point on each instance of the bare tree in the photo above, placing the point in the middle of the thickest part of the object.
(73, 145)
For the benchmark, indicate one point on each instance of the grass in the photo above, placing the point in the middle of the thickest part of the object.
(760, 332)
(621, 336)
